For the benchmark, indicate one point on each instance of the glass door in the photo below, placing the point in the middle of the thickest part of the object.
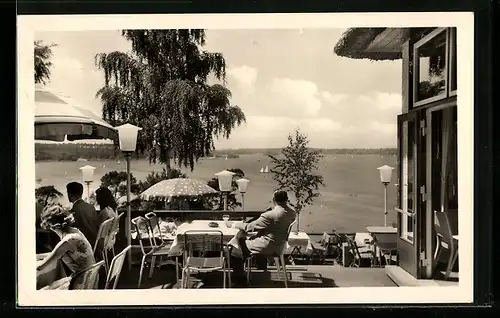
(410, 166)
(442, 173)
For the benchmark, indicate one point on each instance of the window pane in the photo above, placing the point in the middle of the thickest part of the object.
(407, 179)
(431, 73)
(453, 49)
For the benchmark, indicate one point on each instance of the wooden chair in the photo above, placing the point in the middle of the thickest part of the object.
(279, 260)
(87, 278)
(445, 240)
(102, 239)
(197, 244)
(115, 268)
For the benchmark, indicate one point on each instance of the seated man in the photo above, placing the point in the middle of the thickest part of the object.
(86, 217)
(272, 234)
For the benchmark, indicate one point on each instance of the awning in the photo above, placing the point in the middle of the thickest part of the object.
(56, 118)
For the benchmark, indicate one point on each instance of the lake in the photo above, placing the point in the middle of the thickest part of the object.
(353, 196)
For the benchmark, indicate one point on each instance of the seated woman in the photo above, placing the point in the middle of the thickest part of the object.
(107, 204)
(73, 249)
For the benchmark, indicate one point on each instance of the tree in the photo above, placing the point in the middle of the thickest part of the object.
(43, 54)
(117, 183)
(296, 170)
(162, 86)
(45, 193)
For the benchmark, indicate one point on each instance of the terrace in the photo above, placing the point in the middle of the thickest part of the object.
(307, 270)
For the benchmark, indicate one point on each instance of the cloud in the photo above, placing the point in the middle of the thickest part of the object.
(384, 128)
(333, 98)
(383, 101)
(299, 97)
(244, 76)
(272, 131)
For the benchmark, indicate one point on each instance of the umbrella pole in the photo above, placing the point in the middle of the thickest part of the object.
(129, 212)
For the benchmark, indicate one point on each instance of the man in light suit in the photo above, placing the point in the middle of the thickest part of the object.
(271, 234)
(86, 217)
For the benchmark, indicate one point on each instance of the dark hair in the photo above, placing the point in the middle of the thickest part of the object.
(74, 188)
(55, 216)
(280, 196)
(105, 198)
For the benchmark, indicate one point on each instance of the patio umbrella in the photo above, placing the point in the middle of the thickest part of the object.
(56, 117)
(123, 199)
(178, 187)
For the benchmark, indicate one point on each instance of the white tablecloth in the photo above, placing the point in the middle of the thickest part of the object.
(300, 240)
(200, 225)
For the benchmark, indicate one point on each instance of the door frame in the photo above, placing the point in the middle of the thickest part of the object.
(428, 268)
(412, 263)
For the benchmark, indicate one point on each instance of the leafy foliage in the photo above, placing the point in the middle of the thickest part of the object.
(45, 194)
(117, 183)
(295, 170)
(162, 86)
(43, 54)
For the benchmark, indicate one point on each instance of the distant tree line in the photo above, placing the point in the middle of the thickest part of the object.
(71, 152)
(334, 151)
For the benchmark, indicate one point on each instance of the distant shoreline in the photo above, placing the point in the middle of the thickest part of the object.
(74, 152)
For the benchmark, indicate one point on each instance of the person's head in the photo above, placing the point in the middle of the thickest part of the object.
(56, 217)
(75, 191)
(105, 198)
(280, 197)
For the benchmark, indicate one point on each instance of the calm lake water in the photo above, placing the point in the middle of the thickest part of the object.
(352, 198)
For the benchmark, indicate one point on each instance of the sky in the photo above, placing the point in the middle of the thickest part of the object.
(282, 79)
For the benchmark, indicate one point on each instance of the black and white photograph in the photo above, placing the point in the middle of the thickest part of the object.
(164, 157)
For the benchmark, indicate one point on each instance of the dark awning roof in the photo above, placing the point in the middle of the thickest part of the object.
(374, 43)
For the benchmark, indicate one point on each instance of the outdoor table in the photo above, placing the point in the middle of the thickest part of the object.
(50, 273)
(385, 239)
(200, 225)
(296, 242)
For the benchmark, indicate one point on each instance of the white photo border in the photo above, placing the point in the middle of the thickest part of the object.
(27, 295)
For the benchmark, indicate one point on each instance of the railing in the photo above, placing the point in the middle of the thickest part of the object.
(121, 239)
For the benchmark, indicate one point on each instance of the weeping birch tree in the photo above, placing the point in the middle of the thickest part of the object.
(173, 89)
(42, 55)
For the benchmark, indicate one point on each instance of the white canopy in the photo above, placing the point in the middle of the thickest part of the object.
(56, 117)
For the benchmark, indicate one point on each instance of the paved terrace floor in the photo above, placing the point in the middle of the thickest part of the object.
(301, 276)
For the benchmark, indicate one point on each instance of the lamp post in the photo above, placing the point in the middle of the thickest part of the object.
(242, 188)
(127, 135)
(385, 178)
(88, 178)
(225, 179)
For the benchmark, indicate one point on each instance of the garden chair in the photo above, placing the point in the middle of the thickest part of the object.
(161, 244)
(87, 278)
(198, 248)
(328, 246)
(279, 260)
(115, 228)
(361, 254)
(445, 240)
(101, 241)
(115, 268)
(148, 247)
(390, 256)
